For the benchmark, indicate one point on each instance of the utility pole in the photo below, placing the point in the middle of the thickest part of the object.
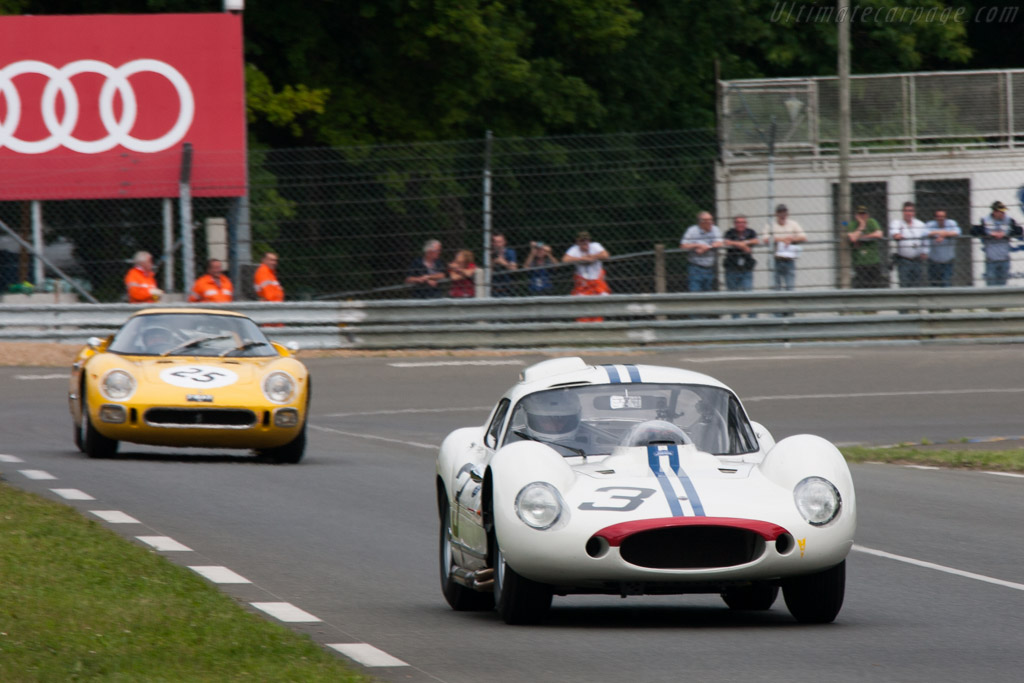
(844, 209)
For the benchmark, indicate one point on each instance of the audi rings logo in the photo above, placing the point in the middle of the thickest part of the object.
(118, 129)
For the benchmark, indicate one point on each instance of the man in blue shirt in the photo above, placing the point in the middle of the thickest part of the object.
(942, 238)
(995, 232)
(503, 262)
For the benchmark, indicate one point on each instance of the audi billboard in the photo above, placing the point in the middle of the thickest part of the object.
(101, 106)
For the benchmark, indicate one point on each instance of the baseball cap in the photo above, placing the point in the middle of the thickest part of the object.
(780, 208)
(861, 209)
(998, 206)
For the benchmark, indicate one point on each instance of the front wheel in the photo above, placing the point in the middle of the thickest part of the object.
(94, 444)
(816, 598)
(518, 599)
(288, 454)
(459, 597)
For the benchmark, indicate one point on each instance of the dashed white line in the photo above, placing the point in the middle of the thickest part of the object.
(940, 568)
(72, 494)
(404, 411)
(49, 376)
(730, 359)
(445, 363)
(38, 475)
(10, 458)
(220, 574)
(375, 438)
(920, 467)
(884, 394)
(367, 654)
(165, 543)
(115, 517)
(1006, 474)
(285, 611)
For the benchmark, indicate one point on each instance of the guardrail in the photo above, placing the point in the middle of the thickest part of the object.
(627, 320)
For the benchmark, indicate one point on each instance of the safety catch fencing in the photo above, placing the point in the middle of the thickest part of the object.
(613, 321)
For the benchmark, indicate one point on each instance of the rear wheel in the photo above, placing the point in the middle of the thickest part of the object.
(518, 599)
(755, 597)
(94, 444)
(461, 598)
(816, 598)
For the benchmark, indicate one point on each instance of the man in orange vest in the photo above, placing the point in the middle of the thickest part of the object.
(265, 281)
(214, 287)
(140, 282)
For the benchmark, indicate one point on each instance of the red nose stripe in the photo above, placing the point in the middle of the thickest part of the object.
(617, 533)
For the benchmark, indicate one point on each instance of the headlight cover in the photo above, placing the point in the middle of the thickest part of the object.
(818, 500)
(538, 505)
(279, 387)
(117, 385)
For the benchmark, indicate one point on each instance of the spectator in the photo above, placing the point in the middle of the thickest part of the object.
(426, 273)
(265, 282)
(589, 279)
(909, 234)
(214, 287)
(140, 281)
(942, 237)
(995, 232)
(739, 260)
(462, 272)
(700, 242)
(503, 262)
(866, 239)
(787, 236)
(538, 261)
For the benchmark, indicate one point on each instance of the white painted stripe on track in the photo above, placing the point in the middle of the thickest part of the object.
(405, 411)
(72, 494)
(34, 377)
(1005, 474)
(733, 359)
(940, 568)
(884, 394)
(285, 611)
(920, 467)
(114, 517)
(366, 654)
(164, 543)
(38, 475)
(218, 574)
(455, 363)
(10, 458)
(375, 438)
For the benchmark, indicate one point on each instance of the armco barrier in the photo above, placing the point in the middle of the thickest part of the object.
(628, 320)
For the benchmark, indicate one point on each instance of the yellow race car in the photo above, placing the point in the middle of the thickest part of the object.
(189, 377)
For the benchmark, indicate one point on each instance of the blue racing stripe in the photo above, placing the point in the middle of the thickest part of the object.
(634, 373)
(613, 374)
(691, 491)
(654, 462)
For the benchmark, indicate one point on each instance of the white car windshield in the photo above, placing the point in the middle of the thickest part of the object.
(595, 419)
(191, 334)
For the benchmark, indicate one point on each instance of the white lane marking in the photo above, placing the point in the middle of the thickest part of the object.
(375, 438)
(367, 654)
(920, 467)
(72, 494)
(940, 568)
(115, 517)
(165, 543)
(444, 363)
(10, 458)
(1005, 474)
(220, 574)
(410, 410)
(732, 359)
(285, 611)
(884, 394)
(37, 474)
(50, 376)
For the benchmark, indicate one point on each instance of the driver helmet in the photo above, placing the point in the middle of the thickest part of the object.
(552, 415)
(156, 339)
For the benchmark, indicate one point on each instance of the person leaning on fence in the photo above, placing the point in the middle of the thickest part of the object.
(786, 236)
(943, 233)
(462, 272)
(701, 241)
(910, 235)
(503, 262)
(265, 282)
(537, 264)
(140, 281)
(866, 238)
(589, 278)
(995, 232)
(739, 259)
(213, 287)
(427, 272)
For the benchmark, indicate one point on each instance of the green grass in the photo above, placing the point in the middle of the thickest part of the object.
(79, 603)
(977, 459)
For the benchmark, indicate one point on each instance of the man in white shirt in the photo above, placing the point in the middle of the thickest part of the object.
(786, 236)
(911, 237)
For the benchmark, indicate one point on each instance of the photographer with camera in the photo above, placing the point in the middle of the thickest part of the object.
(537, 262)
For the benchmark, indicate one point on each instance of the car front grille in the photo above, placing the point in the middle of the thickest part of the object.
(692, 547)
(201, 418)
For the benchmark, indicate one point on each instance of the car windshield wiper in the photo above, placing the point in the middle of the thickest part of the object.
(195, 342)
(244, 347)
(530, 437)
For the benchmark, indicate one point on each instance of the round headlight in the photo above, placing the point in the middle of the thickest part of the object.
(539, 505)
(117, 385)
(817, 500)
(279, 387)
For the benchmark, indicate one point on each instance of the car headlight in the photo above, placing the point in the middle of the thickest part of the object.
(279, 387)
(539, 505)
(817, 500)
(117, 385)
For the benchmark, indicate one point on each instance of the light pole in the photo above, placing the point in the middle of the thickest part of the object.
(843, 208)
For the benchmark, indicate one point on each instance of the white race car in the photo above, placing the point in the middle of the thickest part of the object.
(633, 480)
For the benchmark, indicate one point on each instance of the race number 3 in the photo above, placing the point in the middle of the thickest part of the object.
(198, 376)
(629, 498)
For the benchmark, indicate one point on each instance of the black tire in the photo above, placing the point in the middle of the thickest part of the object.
(756, 597)
(94, 444)
(459, 597)
(518, 599)
(816, 598)
(288, 454)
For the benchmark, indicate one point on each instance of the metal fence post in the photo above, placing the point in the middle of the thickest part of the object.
(486, 289)
(188, 255)
(659, 269)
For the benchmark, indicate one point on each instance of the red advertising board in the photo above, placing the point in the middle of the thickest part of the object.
(101, 106)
